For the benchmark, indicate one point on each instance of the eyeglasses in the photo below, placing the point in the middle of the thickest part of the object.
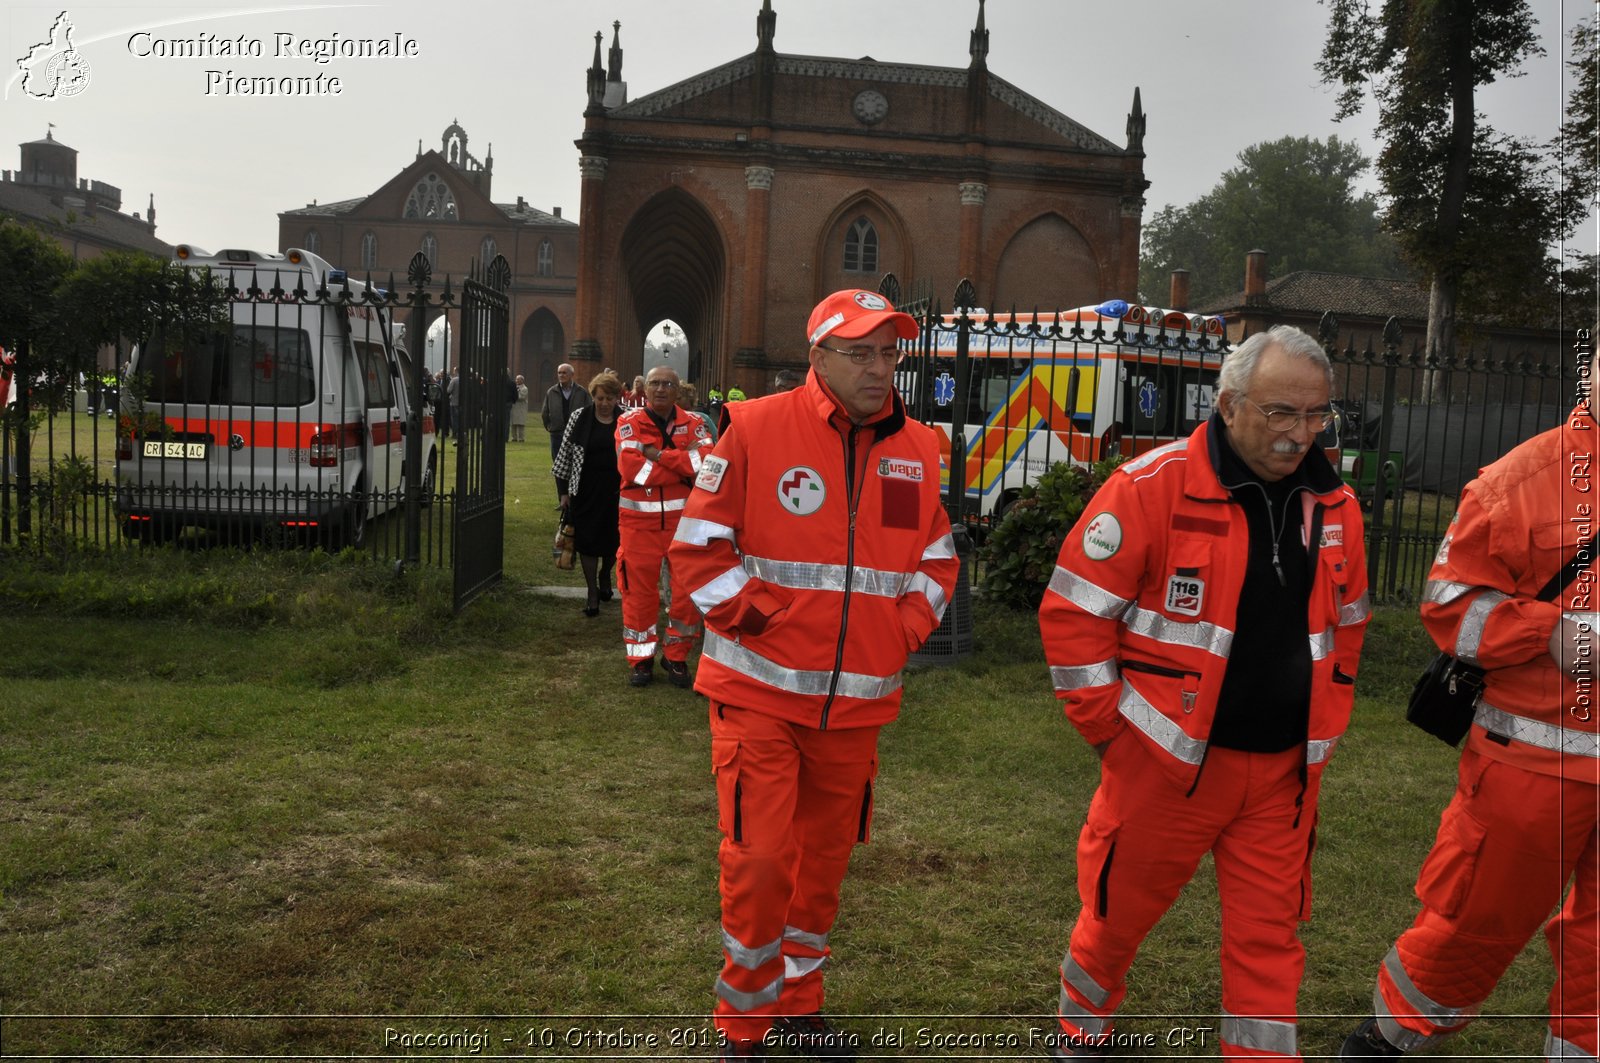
(866, 355)
(1289, 420)
(661, 384)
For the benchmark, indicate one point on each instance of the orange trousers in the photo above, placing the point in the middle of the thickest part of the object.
(792, 802)
(1142, 842)
(1508, 845)
(644, 547)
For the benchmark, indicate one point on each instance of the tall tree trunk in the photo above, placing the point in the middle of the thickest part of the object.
(1441, 339)
(1441, 334)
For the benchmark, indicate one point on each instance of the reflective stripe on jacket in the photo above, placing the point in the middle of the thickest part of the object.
(1516, 526)
(651, 489)
(1139, 617)
(810, 614)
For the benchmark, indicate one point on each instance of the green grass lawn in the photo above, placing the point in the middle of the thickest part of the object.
(287, 804)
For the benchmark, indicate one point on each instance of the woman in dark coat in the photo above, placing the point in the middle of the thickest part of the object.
(587, 479)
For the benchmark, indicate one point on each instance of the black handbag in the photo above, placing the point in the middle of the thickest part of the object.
(1445, 697)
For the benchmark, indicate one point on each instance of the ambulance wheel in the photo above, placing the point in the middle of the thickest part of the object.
(428, 472)
(355, 521)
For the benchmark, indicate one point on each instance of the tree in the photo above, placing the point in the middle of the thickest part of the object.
(122, 296)
(1472, 208)
(32, 266)
(1295, 198)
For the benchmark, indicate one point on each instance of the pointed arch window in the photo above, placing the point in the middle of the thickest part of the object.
(861, 248)
(369, 250)
(547, 259)
(486, 251)
(431, 198)
(314, 241)
(430, 249)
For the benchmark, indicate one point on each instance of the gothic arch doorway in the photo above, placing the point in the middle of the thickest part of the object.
(675, 267)
(539, 349)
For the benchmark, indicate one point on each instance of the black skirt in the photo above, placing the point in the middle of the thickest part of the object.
(593, 512)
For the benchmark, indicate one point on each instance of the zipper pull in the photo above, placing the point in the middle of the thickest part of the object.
(1191, 691)
(1283, 581)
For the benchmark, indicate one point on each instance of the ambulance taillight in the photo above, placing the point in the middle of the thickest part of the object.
(324, 450)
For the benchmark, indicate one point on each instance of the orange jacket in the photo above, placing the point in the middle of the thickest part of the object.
(1517, 525)
(817, 577)
(653, 492)
(1139, 617)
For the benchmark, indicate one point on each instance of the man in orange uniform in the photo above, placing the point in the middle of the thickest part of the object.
(820, 555)
(658, 454)
(1522, 824)
(1202, 629)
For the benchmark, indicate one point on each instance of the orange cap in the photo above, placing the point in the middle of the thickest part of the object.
(853, 313)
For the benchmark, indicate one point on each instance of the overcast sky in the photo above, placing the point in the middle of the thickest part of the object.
(1215, 78)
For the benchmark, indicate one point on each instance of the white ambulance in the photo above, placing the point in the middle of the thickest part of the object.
(1073, 385)
(291, 416)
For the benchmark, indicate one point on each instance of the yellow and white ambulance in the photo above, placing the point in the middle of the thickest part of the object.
(1068, 385)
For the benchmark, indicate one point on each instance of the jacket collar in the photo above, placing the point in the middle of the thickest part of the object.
(1202, 479)
(820, 399)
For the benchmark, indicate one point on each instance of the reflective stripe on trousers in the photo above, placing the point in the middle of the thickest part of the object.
(1272, 1036)
(1435, 1014)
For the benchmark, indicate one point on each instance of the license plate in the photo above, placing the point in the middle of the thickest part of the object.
(156, 448)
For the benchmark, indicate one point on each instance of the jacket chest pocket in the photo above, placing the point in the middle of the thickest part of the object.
(1189, 579)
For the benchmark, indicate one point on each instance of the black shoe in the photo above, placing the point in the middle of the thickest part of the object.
(643, 673)
(605, 595)
(741, 1050)
(1366, 1042)
(812, 1035)
(591, 610)
(677, 673)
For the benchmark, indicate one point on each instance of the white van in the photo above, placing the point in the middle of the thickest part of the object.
(291, 416)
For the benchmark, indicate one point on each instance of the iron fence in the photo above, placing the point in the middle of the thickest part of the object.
(294, 416)
(1011, 394)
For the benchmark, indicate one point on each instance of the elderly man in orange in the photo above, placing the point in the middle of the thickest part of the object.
(816, 546)
(1202, 627)
(659, 449)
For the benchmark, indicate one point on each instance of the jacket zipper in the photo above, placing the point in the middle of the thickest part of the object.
(852, 500)
(1191, 690)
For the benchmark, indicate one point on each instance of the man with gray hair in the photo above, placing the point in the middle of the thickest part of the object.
(560, 403)
(1202, 629)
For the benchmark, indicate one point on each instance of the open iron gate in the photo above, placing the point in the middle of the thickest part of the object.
(479, 539)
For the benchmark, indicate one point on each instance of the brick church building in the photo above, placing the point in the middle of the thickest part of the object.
(734, 200)
(440, 204)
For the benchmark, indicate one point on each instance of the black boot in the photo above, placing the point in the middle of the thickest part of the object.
(1366, 1042)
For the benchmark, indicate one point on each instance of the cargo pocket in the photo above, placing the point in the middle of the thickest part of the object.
(1445, 880)
(725, 766)
(1097, 847)
(864, 830)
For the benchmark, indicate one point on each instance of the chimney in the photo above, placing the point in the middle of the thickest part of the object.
(1255, 276)
(1179, 299)
(558, 212)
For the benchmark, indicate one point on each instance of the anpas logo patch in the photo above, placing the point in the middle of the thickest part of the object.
(1185, 595)
(1102, 537)
(625, 431)
(900, 469)
(800, 490)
